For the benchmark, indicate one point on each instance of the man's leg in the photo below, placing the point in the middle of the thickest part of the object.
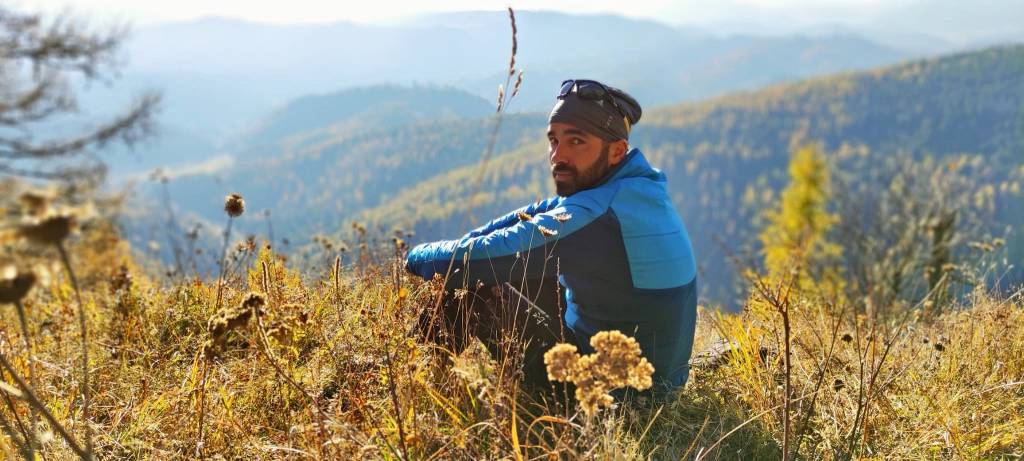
(509, 320)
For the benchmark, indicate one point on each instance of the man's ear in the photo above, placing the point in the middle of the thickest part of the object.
(617, 151)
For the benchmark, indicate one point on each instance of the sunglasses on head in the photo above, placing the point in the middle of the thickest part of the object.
(589, 89)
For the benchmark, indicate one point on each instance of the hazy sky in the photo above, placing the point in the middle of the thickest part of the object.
(293, 11)
(952, 19)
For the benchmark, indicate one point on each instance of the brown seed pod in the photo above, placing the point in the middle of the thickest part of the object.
(48, 231)
(36, 203)
(15, 284)
(254, 300)
(234, 205)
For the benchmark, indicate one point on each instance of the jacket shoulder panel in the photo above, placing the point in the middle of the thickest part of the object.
(657, 245)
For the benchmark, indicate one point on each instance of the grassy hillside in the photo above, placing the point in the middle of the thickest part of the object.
(725, 156)
(282, 364)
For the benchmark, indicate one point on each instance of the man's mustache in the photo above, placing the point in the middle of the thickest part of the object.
(563, 169)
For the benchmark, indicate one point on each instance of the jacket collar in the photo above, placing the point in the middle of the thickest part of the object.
(634, 165)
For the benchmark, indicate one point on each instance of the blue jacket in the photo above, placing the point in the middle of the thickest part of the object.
(622, 252)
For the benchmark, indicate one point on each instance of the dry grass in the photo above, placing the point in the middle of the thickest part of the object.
(328, 372)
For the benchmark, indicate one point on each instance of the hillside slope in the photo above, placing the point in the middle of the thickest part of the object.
(721, 155)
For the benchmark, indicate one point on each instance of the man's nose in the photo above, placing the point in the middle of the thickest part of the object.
(558, 155)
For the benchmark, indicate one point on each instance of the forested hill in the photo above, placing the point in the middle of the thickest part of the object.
(318, 118)
(724, 156)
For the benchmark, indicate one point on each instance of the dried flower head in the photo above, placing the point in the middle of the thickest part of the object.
(847, 337)
(234, 205)
(15, 284)
(616, 362)
(36, 202)
(939, 347)
(230, 319)
(254, 301)
(561, 362)
(50, 230)
(838, 385)
(546, 232)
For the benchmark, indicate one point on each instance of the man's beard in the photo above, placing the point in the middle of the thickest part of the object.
(582, 180)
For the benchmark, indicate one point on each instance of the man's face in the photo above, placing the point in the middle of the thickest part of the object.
(578, 159)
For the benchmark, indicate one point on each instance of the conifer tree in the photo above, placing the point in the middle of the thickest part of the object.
(795, 239)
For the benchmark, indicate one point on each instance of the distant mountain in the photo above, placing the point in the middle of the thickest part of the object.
(715, 152)
(317, 118)
(315, 188)
(220, 77)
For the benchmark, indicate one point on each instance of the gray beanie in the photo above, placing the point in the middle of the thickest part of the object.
(604, 111)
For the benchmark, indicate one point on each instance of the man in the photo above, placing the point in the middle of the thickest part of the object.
(612, 236)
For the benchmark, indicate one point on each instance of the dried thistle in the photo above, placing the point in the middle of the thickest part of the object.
(226, 321)
(36, 202)
(254, 301)
(15, 284)
(50, 230)
(234, 205)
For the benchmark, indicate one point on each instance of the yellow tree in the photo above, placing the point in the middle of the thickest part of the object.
(795, 239)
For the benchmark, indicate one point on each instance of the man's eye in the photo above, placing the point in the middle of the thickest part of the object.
(577, 141)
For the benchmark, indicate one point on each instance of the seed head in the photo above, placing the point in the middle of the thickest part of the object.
(616, 363)
(234, 205)
(838, 385)
(15, 284)
(35, 202)
(847, 337)
(48, 231)
(546, 232)
(939, 347)
(254, 300)
(561, 362)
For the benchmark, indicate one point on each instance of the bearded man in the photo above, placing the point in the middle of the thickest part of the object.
(608, 252)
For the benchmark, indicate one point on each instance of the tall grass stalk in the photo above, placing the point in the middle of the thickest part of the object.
(83, 328)
(29, 395)
(29, 354)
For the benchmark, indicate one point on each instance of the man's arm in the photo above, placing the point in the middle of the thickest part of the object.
(519, 249)
(514, 216)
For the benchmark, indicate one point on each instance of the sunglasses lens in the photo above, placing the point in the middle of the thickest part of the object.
(566, 88)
